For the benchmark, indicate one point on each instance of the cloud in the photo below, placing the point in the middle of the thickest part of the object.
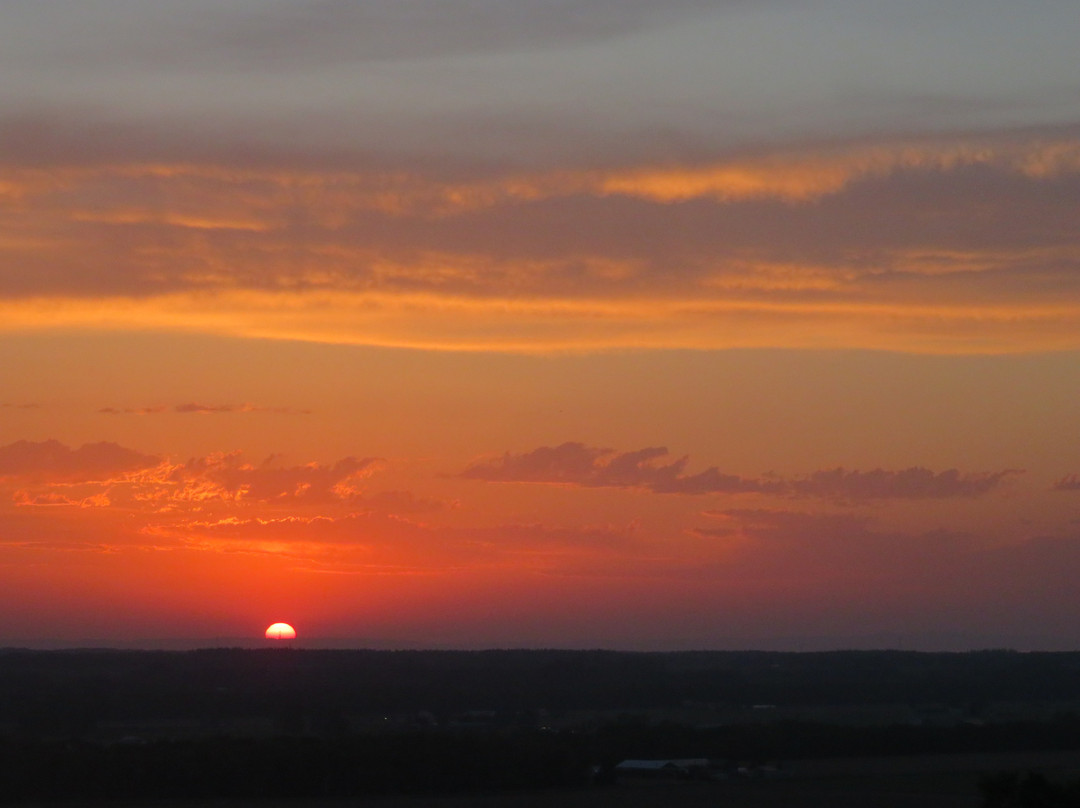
(577, 464)
(911, 483)
(955, 243)
(1070, 482)
(105, 474)
(210, 187)
(132, 411)
(228, 477)
(48, 499)
(439, 76)
(282, 36)
(203, 409)
(56, 461)
(404, 502)
(580, 465)
(713, 532)
(810, 174)
(568, 463)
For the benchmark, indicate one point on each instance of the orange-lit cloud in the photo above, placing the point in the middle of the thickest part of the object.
(807, 175)
(314, 515)
(949, 244)
(26, 498)
(102, 474)
(276, 243)
(218, 516)
(228, 477)
(221, 197)
(434, 323)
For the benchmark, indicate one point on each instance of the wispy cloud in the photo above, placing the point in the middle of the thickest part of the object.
(369, 542)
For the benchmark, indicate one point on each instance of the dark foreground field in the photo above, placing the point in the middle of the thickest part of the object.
(525, 729)
(930, 781)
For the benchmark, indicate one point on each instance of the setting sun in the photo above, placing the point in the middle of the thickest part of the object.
(281, 631)
(702, 325)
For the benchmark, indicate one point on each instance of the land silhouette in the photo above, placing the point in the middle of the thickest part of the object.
(982, 728)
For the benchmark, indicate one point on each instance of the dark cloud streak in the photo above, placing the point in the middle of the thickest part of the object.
(277, 36)
(579, 465)
(1070, 482)
(193, 408)
(54, 460)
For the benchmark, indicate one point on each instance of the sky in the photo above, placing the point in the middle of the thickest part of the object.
(540, 323)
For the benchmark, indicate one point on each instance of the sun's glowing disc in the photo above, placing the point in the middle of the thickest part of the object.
(281, 631)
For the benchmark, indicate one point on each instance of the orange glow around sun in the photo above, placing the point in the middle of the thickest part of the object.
(281, 631)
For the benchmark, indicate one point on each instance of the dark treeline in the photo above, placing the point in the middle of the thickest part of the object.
(73, 688)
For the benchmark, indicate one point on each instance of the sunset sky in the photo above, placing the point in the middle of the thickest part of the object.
(541, 323)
